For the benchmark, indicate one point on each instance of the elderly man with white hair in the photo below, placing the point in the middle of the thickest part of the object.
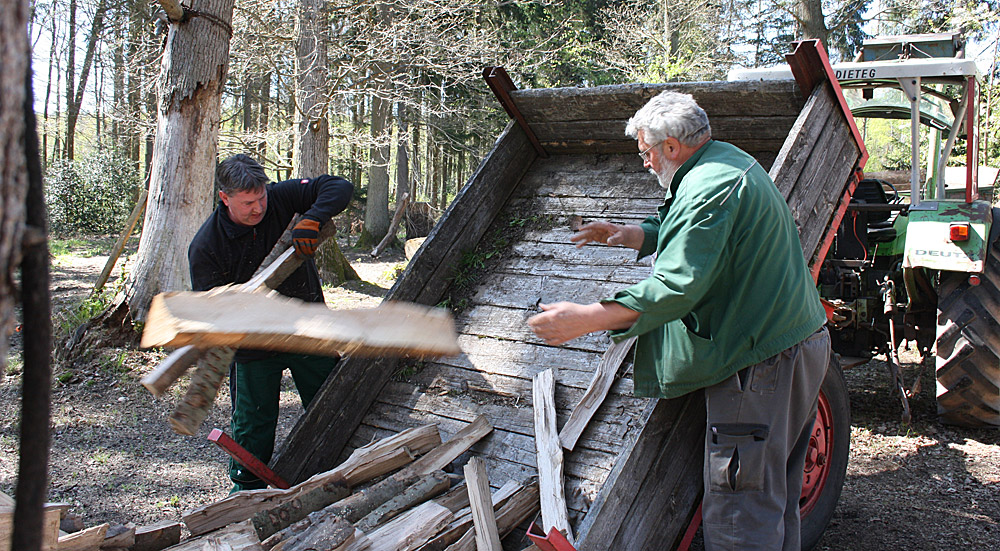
(730, 308)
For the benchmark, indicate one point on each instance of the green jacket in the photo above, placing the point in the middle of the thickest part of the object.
(730, 287)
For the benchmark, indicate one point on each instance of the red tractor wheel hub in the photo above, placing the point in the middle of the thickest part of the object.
(817, 467)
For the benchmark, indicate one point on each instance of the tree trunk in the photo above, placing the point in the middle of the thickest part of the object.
(192, 76)
(377, 207)
(402, 158)
(70, 72)
(73, 109)
(809, 21)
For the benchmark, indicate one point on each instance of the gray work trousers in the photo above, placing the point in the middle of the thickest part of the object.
(757, 435)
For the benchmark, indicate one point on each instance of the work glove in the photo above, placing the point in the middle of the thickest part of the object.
(305, 236)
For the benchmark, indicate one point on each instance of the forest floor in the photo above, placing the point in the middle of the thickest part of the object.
(114, 457)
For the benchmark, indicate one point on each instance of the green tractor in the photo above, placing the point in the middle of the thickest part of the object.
(917, 260)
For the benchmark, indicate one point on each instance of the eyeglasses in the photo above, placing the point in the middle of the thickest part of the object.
(645, 154)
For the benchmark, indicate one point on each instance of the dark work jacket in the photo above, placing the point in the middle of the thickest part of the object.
(223, 252)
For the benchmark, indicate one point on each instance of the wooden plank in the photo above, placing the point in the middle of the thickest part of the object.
(759, 98)
(119, 536)
(838, 173)
(550, 456)
(50, 525)
(262, 322)
(323, 431)
(411, 529)
(670, 445)
(801, 138)
(88, 539)
(513, 456)
(733, 128)
(239, 536)
(366, 463)
(483, 517)
(155, 537)
(604, 376)
(765, 150)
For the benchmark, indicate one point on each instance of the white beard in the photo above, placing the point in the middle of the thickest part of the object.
(666, 174)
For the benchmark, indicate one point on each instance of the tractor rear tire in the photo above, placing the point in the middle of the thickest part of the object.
(826, 463)
(968, 346)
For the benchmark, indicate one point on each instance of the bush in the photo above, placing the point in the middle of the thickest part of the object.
(94, 194)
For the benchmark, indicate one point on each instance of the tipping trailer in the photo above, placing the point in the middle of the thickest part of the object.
(633, 479)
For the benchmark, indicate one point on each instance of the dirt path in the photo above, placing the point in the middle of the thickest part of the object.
(114, 458)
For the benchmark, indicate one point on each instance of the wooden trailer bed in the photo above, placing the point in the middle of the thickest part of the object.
(633, 480)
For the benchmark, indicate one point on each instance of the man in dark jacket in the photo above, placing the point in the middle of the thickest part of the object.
(230, 246)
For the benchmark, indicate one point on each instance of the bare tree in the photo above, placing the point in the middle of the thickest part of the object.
(195, 62)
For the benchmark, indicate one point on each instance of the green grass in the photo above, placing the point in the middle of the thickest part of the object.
(15, 364)
(77, 246)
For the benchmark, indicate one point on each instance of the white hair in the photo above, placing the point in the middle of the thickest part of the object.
(670, 114)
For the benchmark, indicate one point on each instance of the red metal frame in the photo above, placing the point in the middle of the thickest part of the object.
(500, 83)
(811, 67)
(554, 541)
(972, 145)
(247, 459)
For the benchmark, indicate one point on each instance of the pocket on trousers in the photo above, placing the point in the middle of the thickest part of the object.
(764, 376)
(736, 457)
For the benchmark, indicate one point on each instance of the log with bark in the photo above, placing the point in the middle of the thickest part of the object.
(365, 464)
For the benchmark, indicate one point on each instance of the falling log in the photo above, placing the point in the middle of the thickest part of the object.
(253, 320)
(603, 378)
(155, 537)
(88, 539)
(191, 411)
(425, 488)
(365, 464)
(276, 267)
(483, 519)
(550, 456)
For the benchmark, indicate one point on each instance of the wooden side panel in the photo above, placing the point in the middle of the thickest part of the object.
(320, 435)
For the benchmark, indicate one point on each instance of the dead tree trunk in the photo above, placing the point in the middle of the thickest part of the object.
(195, 62)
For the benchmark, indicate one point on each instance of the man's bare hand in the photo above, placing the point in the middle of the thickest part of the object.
(564, 321)
(630, 235)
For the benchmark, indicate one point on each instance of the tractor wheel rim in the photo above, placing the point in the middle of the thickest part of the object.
(817, 465)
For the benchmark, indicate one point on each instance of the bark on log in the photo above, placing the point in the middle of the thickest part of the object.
(277, 518)
(425, 488)
(190, 412)
(331, 534)
(171, 369)
(366, 463)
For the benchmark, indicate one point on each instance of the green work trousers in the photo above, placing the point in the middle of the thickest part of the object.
(254, 389)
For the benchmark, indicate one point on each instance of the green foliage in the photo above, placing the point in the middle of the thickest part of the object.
(94, 194)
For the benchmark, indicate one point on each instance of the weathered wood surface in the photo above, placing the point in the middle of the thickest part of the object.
(519, 508)
(254, 320)
(619, 102)
(50, 525)
(604, 377)
(309, 449)
(366, 463)
(632, 447)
